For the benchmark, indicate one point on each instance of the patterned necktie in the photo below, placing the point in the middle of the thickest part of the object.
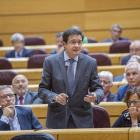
(70, 76)
(21, 100)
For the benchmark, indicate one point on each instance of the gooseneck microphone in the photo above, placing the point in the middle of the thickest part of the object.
(66, 67)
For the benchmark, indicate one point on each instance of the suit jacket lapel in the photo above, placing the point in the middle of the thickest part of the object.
(62, 69)
(28, 98)
(78, 70)
(23, 53)
(21, 119)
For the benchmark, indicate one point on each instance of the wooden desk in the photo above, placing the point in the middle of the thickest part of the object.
(21, 63)
(92, 47)
(134, 133)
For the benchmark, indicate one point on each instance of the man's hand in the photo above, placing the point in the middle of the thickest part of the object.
(9, 111)
(90, 98)
(134, 112)
(61, 98)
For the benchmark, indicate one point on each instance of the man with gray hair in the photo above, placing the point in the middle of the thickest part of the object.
(17, 41)
(134, 50)
(132, 71)
(106, 79)
(23, 96)
(115, 32)
(59, 42)
(15, 117)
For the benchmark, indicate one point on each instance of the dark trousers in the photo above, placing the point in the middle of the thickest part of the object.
(71, 123)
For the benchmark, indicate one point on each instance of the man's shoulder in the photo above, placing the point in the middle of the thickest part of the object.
(26, 50)
(32, 93)
(112, 94)
(126, 57)
(106, 40)
(124, 87)
(23, 108)
(9, 53)
(123, 38)
(118, 78)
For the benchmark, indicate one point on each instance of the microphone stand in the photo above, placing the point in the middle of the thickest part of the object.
(66, 67)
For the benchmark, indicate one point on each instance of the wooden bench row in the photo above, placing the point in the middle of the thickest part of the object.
(81, 134)
(114, 110)
(34, 75)
(92, 47)
(113, 89)
(21, 63)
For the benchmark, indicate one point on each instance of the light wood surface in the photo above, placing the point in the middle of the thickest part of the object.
(134, 133)
(21, 63)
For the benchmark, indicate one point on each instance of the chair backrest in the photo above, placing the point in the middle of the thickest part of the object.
(1, 43)
(6, 77)
(100, 117)
(34, 40)
(84, 51)
(5, 63)
(34, 136)
(92, 40)
(101, 58)
(39, 51)
(120, 47)
(125, 111)
(36, 61)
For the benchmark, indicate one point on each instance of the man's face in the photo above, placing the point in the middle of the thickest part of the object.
(7, 100)
(115, 33)
(135, 50)
(73, 46)
(133, 76)
(20, 85)
(18, 45)
(59, 41)
(105, 84)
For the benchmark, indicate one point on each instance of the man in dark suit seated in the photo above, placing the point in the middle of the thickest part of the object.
(17, 41)
(115, 32)
(106, 79)
(134, 58)
(59, 42)
(132, 71)
(23, 96)
(15, 118)
(134, 50)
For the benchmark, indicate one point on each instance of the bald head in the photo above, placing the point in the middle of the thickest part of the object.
(20, 85)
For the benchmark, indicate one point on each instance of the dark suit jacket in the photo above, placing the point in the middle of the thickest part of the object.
(121, 92)
(118, 78)
(26, 119)
(111, 97)
(125, 60)
(25, 53)
(31, 98)
(110, 40)
(54, 82)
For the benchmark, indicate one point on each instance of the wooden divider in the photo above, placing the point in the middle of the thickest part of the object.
(134, 133)
(21, 63)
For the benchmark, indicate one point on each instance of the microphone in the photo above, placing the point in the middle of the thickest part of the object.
(66, 67)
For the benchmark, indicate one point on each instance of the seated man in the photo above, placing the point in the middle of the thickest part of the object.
(134, 50)
(134, 58)
(23, 96)
(132, 71)
(15, 118)
(18, 43)
(106, 79)
(115, 31)
(59, 42)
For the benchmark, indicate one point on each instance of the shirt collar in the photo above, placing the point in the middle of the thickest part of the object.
(22, 96)
(106, 95)
(16, 53)
(66, 57)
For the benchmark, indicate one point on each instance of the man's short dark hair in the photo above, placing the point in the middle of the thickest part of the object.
(72, 31)
(59, 34)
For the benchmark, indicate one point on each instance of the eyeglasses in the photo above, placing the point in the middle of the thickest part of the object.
(8, 95)
(115, 31)
(135, 50)
(74, 43)
(134, 102)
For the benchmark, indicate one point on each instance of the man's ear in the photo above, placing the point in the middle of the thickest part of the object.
(64, 43)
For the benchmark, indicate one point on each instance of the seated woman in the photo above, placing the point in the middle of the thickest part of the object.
(132, 118)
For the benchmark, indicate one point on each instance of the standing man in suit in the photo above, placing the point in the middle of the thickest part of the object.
(17, 41)
(106, 79)
(15, 118)
(132, 71)
(23, 96)
(59, 43)
(134, 50)
(115, 32)
(58, 85)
